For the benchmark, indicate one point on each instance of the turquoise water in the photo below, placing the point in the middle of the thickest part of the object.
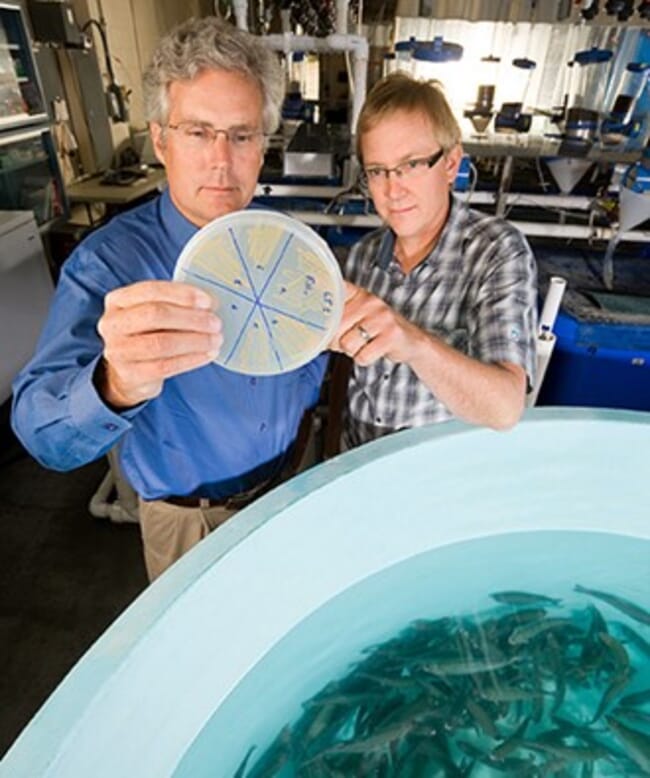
(453, 581)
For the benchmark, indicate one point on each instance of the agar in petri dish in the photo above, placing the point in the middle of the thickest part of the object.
(278, 286)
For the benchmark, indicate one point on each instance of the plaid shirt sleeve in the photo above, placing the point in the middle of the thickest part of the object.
(502, 322)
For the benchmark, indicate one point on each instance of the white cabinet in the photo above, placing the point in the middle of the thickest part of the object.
(26, 290)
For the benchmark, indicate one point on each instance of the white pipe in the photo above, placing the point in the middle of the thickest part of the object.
(336, 219)
(329, 192)
(337, 42)
(240, 8)
(334, 42)
(101, 508)
(481, 197)
(360, 78)
(545, 348)
(342, 16)
(551, 304)
(545, 338)
(577, 202)
(542, 229)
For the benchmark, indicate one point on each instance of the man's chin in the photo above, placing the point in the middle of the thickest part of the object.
(220, 203)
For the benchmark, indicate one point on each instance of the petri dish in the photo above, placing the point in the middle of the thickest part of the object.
(278, 286)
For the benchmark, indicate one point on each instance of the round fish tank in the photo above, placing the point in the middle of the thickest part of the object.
(486, 543)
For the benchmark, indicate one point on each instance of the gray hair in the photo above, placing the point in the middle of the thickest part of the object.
(212, 44)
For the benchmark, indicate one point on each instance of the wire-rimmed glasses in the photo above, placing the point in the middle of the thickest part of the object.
(200, 136)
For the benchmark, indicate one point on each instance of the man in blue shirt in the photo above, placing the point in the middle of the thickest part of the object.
(126, 356)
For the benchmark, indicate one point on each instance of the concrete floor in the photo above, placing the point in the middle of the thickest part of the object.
(64, 577)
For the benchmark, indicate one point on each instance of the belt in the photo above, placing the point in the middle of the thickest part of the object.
(242, 499)
(233, 502)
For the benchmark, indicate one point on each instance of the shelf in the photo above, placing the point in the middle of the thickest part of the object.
(22, 165)
(10, 46)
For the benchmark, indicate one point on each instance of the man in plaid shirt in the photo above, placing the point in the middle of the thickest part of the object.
(440, 315)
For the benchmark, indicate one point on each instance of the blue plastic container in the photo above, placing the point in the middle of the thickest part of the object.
(603, 365)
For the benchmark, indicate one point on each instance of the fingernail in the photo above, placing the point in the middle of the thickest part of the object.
(203, 300)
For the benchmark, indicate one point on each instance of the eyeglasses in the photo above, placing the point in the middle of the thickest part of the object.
(411, 169)
(199, 136)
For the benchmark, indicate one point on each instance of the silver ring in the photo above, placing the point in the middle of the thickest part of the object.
(364, 333)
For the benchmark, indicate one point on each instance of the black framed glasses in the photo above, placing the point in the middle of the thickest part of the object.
(200, 136)
(410, 169)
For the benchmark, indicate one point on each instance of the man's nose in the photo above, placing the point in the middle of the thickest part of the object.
(220, 151)
(393, 184)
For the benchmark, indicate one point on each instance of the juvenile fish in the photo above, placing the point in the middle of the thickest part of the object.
(524, 598)
(527, 632)
(631, 636)
(636, 698)
(379, 741)
(467, 667)
(613, 691)
(636, 743)
(617, 652)
(242, 767)
(630, 609)
(510, 694)
(482, 718)
(274, 758)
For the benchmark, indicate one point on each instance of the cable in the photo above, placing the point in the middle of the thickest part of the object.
(115, 97)
(107, 58)
(474, 181)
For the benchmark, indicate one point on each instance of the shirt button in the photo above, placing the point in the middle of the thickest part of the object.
(262, 426)
(110, 426)
(378, 419)
(253, 381)
(386, 376)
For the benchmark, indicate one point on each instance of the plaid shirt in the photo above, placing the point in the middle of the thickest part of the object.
(476, 291)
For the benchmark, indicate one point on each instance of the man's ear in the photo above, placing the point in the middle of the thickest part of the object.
(158, 141)
(452, 163)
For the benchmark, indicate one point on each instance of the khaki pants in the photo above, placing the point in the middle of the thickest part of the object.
(168, 531)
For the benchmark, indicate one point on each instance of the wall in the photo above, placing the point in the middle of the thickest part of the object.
(133, 27)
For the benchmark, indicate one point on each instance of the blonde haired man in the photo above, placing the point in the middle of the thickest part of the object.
(440, 318)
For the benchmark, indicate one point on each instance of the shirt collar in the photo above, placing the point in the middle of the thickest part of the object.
(387, 243)
(179, 229)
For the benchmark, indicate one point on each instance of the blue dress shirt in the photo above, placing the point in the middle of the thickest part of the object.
(211, 432)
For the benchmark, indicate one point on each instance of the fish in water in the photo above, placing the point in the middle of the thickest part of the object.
(516, 694)
(524, 598)
(636, 743)
(630, 609)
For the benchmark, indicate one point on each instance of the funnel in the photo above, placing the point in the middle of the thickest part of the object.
(567, 171)
(481, 111)
(634, 197)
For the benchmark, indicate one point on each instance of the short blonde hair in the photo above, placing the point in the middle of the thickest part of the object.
(401, 92)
